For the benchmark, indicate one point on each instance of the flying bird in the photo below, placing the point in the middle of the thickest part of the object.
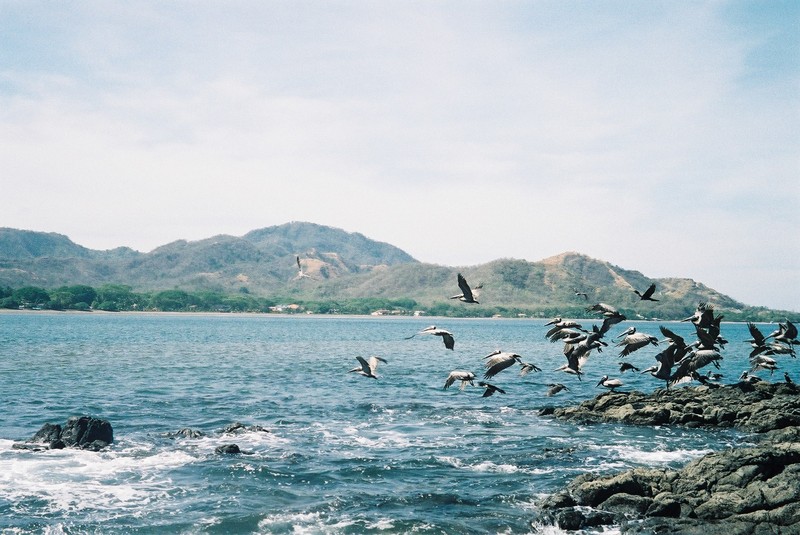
(459, 375)
(527, 367)
(447, 336)
(368, 368)
(498, 361)
(632, 340)
(579, 293)
(300, 273)
(625, 366)
(555, 388)
(648, 293)
(466, 295)
(490, 389)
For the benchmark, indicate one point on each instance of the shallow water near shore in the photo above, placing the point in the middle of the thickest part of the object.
(344, 453)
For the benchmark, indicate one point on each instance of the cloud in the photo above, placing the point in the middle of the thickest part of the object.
(661, 137)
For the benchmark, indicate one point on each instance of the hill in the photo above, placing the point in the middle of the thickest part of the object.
(341, 265)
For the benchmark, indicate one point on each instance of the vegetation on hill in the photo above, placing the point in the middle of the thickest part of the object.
(341, 272)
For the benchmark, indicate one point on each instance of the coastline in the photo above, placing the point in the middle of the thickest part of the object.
(745, 490)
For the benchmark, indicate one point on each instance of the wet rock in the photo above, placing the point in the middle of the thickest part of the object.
(84, 432)
(238, 428)
(186, 432)
(228, 449)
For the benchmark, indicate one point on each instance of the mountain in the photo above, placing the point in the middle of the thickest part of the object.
(343, 265)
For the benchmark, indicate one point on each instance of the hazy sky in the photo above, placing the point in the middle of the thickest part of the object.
(663, 137)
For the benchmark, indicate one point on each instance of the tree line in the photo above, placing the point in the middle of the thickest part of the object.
(120, 298)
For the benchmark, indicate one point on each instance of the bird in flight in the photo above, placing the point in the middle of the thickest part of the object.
(300, 273)
(648, 293)
(467, 295)
(490, 389)
(447, 336)
(368, 368)
(459, 375)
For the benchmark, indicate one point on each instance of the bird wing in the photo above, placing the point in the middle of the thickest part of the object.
(676, 339)
(298, 263)
(373, 363)
(447, 338)
(649, 291)
(465, 289)
(364, 365)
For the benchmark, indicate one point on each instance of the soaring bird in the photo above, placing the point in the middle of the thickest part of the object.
(498, 361)
(625, 366)
(300, 273)
(648, 293)
(574, 364)
(368, 368)
(490, 389)
(555, 388)
(632, 340)
(459, 375)
(763, 362)
(703, 316)
(447, 336)
(604, 309)
(466, 295)
(527, 367)
(611, 384)
(579, 293)
(786, 333)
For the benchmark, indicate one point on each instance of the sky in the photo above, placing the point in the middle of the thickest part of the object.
(660, 136)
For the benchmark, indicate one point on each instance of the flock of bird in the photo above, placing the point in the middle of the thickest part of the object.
(679, 361)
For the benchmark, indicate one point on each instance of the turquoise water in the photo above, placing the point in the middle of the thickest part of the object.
(343, 453)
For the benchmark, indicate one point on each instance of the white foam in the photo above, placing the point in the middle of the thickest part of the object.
(75, 480)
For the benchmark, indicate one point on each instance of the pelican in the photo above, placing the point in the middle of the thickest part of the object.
(747, 378)
(703, 316)
(574, 364)
(555, 388)
(611, 319)
(787, 378)
(666, 360)
(499, 361)
(648, 293)
(490, 389)
(611, 384)
(527, 367)
(466, 295)
(579, 293)
(625, 366)
(447, 336)
(459, 375)
(694, 361)
(368, 368)
(604, 309)
(786, 332)
(300, 273)
(633, 340)
(763, 362)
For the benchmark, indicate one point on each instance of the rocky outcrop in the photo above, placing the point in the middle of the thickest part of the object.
(755, 407)
(84, 432)
(749, 490)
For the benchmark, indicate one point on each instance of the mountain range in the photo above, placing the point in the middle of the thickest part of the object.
(343, 265)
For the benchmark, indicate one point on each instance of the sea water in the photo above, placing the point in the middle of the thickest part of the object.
(325, 450)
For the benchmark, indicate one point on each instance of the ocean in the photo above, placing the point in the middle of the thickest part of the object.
(324, 450)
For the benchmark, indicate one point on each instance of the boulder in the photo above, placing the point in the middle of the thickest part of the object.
(84, 432)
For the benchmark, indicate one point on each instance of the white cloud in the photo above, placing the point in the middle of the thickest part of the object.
(461, 133)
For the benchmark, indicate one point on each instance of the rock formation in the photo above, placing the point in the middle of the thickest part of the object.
(84, 432)
(747, 490)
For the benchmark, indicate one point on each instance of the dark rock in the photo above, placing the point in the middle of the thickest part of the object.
(47, 434)
(81, 431)
(238, 428)
(665, 504)
(627, 504)
(187, 433)
(228, 449)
